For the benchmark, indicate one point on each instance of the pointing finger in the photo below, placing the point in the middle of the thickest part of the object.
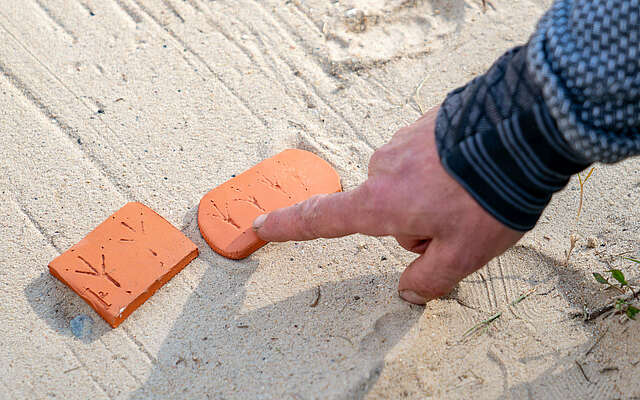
(321, 216)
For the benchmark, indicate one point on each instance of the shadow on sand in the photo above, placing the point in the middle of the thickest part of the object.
(292, 348)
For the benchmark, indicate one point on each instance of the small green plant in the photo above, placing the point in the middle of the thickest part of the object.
(617, 275)
(622, 305)
(615, 280)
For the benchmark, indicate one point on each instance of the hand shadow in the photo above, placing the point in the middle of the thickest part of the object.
(294, 348)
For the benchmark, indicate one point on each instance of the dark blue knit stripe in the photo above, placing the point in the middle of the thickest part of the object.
(542, 171)
(458, 167)
(498, 186)
(487, 153)
(495, 167)
(560, 156)
(526, 165)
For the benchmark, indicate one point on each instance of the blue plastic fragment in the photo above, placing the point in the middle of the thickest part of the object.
(81, 326)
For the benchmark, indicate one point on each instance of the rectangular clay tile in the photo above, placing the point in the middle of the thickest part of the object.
(123, 261)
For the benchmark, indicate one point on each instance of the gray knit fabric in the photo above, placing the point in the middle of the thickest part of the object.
(585, 57)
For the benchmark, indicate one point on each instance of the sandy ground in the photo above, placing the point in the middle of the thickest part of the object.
(104, 102)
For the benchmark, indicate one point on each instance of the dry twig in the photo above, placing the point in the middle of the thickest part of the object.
(317, 299)
(588, 316)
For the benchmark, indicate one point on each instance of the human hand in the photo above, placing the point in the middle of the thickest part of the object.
(409, 196)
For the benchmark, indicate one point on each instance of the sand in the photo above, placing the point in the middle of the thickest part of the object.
(158, 101)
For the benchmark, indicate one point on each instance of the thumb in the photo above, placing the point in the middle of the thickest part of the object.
(321, 216)
(434, 274)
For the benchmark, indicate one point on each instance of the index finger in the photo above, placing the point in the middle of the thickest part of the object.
(321, 216)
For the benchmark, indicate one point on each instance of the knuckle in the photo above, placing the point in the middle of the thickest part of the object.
(310, 216)
(377, 203)
(370, 193)
(379, 196)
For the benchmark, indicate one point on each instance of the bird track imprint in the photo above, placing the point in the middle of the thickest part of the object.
(121, 263)
(227, 212)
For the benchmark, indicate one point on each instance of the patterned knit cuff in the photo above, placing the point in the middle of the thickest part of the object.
(513, 171)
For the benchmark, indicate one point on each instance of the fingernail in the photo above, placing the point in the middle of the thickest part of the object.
(259, 221)
(412, 297)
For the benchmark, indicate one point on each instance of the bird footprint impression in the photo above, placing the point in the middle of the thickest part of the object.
(226, 213)
(123, 261)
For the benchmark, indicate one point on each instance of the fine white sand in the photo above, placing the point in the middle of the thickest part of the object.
(158, 101)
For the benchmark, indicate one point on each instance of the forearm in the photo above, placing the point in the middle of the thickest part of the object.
(513, 136)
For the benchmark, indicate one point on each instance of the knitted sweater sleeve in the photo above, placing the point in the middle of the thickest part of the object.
(544, 111)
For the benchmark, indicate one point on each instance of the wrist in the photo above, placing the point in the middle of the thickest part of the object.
(513, 171)
(496, 137)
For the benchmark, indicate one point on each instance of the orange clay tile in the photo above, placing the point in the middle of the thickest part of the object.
(226, 213)
(122, 262)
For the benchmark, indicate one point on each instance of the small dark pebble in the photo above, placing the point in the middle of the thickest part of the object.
(79, 141)
(233, 176)
(100, 111)
(356, 297)
(164, 46)
(383, 258)
(165, 178)
(291, 259)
